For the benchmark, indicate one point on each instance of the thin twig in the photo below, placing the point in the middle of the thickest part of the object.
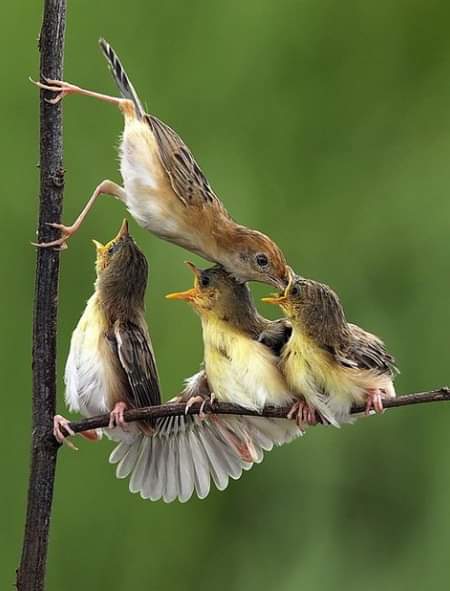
(31, 572)
(177, 409)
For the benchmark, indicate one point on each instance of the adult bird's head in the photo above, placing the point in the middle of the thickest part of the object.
(312, 307)
(122, 272)
(217, 294)
(253, 256)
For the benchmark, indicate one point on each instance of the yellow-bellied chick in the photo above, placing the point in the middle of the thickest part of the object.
(329, 363)
(111, 364)
(167, 193)
(240, 369)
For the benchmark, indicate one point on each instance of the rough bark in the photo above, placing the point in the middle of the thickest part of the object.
(31, 572)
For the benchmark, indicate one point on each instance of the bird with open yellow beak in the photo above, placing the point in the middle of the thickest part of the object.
(329, 363)
(168, 194)
(239, 368)
(111, 364)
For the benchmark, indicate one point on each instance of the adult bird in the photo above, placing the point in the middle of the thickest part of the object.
(167, 193)
(329, 363)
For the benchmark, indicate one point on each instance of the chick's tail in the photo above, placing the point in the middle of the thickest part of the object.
(185, 454)
(121, 78)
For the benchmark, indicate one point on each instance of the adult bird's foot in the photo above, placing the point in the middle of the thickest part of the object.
(116, 418)
(303, 414)
(60, 243)
(59, 86)
(59, 423)
(374, 400)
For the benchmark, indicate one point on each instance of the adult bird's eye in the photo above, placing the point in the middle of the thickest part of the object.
(261, 260)
(204, 281)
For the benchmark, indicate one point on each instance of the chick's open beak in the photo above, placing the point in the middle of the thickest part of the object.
(123, 232)
(98, 245)
(275, 299)
(188, 295)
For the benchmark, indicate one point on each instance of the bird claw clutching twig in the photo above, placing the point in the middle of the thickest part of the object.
(60, 423)
(202, 415)
(375, 401)
(59, 243)
(59, 86)
(116, 418)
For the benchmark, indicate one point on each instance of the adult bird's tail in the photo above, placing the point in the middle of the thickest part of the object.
(121, 77)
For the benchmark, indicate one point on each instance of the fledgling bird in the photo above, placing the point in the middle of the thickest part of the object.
(330, 363)
(239, 368)
(167, 193)
(111, 364)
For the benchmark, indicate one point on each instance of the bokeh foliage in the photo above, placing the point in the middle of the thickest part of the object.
(327, 125)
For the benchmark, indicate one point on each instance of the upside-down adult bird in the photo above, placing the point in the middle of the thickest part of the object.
(330, 363)
(168, 194)
(111, 367)
(240, 369)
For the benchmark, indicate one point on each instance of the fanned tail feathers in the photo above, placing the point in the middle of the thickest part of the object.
(185, 454)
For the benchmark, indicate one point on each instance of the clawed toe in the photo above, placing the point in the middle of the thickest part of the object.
(59, 243)
(59, 423)
(116, 416)
(374, 401)
(202, 415)
(59, 86)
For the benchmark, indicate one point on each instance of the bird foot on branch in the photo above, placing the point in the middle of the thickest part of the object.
(303, 414)
(116, 418)
(59, 243)
(202, 415)
(375, 401)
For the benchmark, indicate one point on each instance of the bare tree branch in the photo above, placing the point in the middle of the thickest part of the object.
(31, 572)
(176, 409)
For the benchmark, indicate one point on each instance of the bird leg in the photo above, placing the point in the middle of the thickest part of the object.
(106, 187)
(60, 422)
(202, 415)
(374, 400)
(303, 413)
(63, 89)
(116, 418)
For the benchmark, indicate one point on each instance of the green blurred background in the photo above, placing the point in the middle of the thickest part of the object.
(327, 125)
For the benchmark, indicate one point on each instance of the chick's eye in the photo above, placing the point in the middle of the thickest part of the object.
(261, 260)
(204, 281)
(295, 291)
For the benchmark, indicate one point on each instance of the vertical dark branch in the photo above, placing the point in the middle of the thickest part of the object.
(31, 572)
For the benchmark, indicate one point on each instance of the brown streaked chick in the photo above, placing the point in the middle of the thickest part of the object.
(111, 364)
(328, 361)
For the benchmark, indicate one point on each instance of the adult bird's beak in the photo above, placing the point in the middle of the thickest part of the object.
(197, 272)
(123, 232)
(187, 295)
(274, 299)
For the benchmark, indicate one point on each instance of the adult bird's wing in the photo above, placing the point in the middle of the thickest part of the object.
(364, 350)
(186, 177)
(135, 354)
